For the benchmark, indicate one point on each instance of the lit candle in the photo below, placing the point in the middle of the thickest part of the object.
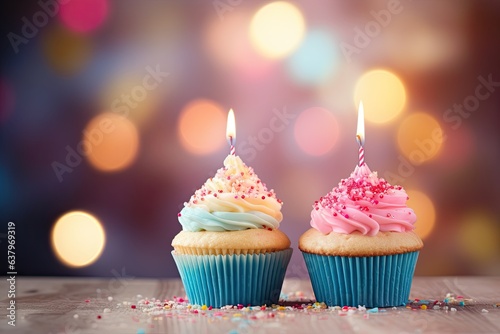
(360, 133)
(231, 131)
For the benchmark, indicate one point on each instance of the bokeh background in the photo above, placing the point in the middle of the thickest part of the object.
(117, 109)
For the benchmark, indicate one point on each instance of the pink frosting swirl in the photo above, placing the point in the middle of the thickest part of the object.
(363, 203)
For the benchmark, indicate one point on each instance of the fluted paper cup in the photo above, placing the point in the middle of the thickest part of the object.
(375, 281)
(219, 280)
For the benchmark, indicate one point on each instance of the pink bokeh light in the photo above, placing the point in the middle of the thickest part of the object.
(84, 16)
(324, 136)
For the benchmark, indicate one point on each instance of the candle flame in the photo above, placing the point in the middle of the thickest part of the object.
(231, 127)
(360, 132)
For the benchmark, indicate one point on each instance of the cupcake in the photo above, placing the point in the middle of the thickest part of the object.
(230, 250)
(361, 249)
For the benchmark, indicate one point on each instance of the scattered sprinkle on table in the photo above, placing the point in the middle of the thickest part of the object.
(146, 311)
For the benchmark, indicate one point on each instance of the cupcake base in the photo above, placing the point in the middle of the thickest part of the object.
(373, 281)
(219, 280)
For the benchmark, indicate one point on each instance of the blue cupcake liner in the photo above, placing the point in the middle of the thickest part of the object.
(219, 280)
(375, 281)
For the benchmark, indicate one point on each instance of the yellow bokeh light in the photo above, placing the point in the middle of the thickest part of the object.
(420, 138)
(110, 142)
(132, 96)
(425, 211)
(66, 52)
(202, 126)
(277, 29)
(383, 95)
(478, 235)
(78, 239)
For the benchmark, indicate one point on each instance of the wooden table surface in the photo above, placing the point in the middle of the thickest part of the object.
(118, 305)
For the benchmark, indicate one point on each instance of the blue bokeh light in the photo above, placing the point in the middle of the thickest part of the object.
(316, 59)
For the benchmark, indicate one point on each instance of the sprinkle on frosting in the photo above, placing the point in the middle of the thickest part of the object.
(364, 203)
(234, 199)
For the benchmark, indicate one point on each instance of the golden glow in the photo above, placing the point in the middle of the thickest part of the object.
(425, 211)
(383, 95)
(201, 126)
(478, 236)
(316, 131)
(111, 142)
(231, 126)
(277, 29)
(78, 239)
(66, 52)
(127, 95)
(420, 137)
(360, 131)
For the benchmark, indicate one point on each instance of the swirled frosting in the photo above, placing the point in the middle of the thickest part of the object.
(234, 199)
(364, 203)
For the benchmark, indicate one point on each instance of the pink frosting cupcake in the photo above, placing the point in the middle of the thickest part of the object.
(361, 249)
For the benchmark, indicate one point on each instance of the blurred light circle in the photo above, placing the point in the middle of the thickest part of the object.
(66, 51)
(277, 29)
(202, 126)
(425, 211)
(316, 131)
(478, 236)
(228, 43)
(110, 142)
(383, 95)
(129, 95)
(78, 239)
(315, 60)
(420, 137)
(84, 16)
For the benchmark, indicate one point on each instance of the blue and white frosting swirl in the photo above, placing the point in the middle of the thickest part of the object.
(234, 199)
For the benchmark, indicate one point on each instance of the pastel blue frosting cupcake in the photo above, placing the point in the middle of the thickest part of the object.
(230, 250)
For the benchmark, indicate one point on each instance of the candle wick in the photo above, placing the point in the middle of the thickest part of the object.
(358, 139)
